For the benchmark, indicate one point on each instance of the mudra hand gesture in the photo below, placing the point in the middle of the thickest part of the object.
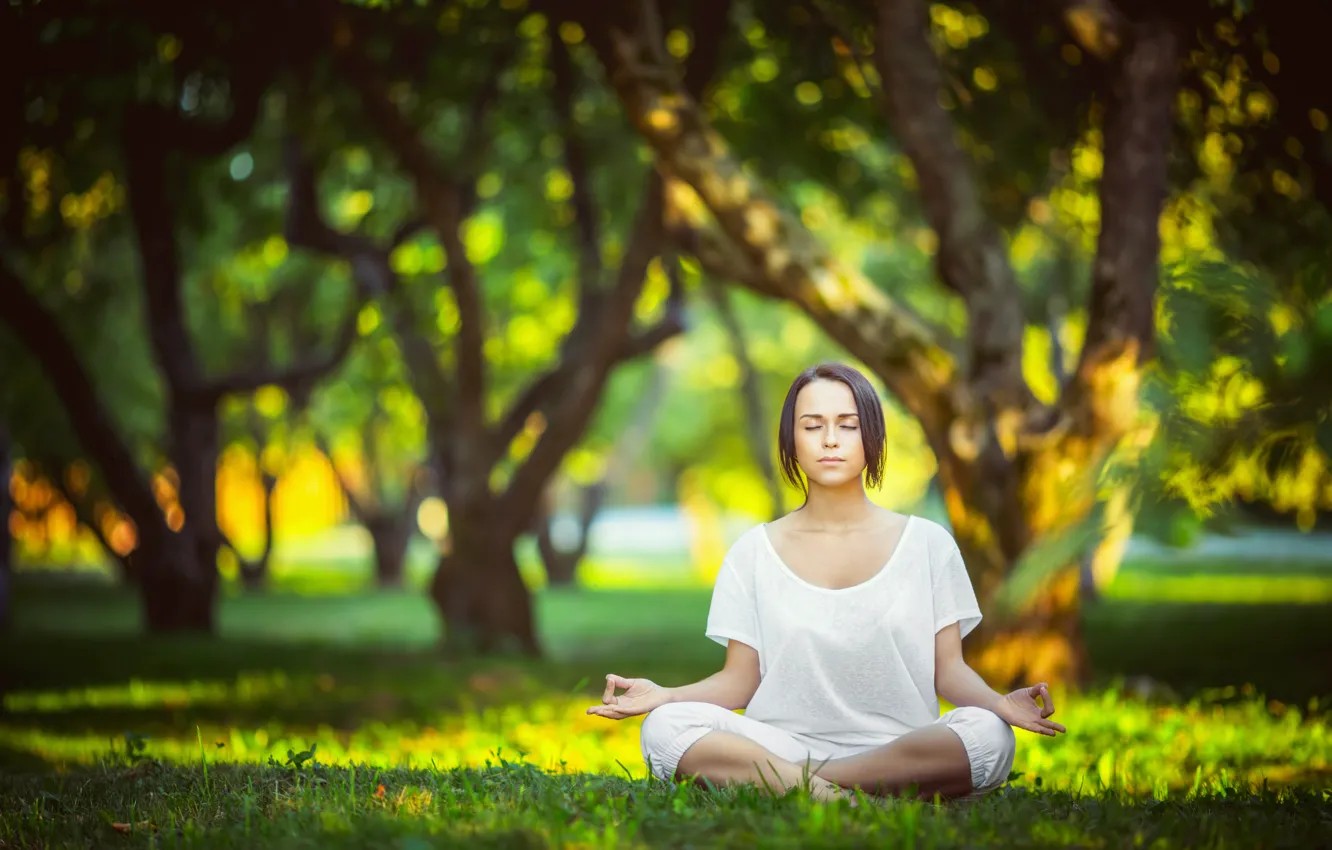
(1021, 710)
(640, 697)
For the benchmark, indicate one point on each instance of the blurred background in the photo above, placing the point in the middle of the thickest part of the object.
(369, 367)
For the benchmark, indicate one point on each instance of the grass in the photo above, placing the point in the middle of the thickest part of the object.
(329, 721)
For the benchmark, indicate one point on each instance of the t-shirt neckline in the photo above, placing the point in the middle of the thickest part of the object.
(901, 540)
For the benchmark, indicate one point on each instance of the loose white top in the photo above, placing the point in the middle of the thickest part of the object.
(852, 667)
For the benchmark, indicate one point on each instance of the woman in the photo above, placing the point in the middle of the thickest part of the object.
(843, 624)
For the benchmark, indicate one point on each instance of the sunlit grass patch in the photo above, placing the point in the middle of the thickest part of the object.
(1231, 589)
(1115, 741)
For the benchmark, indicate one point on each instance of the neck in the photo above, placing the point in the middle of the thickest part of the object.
(840, 507)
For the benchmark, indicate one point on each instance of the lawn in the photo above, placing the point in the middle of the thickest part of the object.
(328, 721)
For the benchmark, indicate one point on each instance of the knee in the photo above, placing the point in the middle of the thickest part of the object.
(995, 730)
(663, 726)
(990, 744)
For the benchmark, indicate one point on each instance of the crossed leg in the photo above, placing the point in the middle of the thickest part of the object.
(967, 750)
(933, 759)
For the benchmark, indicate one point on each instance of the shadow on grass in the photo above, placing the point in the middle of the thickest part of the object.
(105, 684)
(1281, 650)
(157, 685)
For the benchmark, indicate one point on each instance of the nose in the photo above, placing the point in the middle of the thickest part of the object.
(830, 437)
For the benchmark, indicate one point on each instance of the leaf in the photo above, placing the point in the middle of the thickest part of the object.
(1049, 555)
(126, 829)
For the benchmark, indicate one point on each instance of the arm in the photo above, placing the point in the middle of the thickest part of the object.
(956, 682)
(731, 687)
(953, 679)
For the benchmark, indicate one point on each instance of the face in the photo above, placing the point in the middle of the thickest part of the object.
(827, 434)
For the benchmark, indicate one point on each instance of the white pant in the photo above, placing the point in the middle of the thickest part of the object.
(672, 729)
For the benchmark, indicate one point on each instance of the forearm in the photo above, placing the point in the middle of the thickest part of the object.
(727, 688)
(960, 685)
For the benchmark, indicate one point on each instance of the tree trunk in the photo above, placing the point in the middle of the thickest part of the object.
(390, 534)
(177, 591)
(254, 574)
(195, 449)
(178, 594)
(562, 564)
(481, 596)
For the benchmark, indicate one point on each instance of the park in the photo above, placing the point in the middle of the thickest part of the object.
(378, 377)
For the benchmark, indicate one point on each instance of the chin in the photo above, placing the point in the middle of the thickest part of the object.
(832, 480)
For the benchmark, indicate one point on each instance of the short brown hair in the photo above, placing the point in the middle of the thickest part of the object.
(868, 408)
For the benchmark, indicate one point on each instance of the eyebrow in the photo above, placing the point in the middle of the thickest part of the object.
(839, 416)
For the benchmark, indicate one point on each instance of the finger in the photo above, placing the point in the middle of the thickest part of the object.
(1047, 727)
(609, 690)
(1049, 700)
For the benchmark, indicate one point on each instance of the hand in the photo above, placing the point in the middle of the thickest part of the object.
(1020, 709)
(640, 697)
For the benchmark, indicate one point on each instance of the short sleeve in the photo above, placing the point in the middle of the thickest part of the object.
(954, 597)
(733, 615)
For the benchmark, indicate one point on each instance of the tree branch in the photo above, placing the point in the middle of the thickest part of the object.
(549, 387)
(575, 159)
(719, 257)
(407, 230)
(84, 513)
(359, 509)
(1096, 25)
(971, 259)
(294, 377)
(710, 27)
(36, 328)
(1134, 184)
(154, 218)
(443, 203)
(477, 140)
(595, 361)
(874, 328)
(306, 228)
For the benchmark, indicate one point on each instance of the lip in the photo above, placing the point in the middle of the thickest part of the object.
(831, 460)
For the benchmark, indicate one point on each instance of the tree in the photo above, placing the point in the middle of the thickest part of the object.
(371, 409)
(160, 151)
(1013, 470)
(492, 468)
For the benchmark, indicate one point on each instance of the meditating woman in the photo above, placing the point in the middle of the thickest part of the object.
(843, 624)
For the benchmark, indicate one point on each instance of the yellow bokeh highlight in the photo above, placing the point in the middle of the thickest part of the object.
(432, 518)
(308, 498)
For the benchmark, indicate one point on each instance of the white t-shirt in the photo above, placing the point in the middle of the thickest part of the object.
(852, 668)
